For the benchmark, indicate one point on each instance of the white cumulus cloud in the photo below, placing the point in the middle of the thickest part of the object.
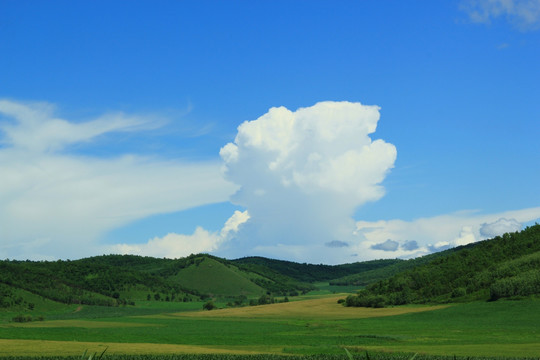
(303, 173)
(500, 227)
(175, 245)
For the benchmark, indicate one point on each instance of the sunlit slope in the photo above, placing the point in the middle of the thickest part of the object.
(208, 276)
(324, 308)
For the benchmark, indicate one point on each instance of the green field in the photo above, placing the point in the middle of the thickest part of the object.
(310, 327)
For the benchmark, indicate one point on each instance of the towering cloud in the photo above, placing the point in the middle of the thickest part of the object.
(303, 173)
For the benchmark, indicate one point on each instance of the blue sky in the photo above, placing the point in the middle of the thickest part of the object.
(397, 128)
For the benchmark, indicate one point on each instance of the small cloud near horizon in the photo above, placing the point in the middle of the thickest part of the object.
(388, 245)
(410, 245)
(336, 244)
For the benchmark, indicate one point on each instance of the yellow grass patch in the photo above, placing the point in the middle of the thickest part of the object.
(61, 348)
(326, 308)
(74, 323)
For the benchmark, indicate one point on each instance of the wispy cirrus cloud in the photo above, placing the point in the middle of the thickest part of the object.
(55, 204)
(524, 14)
(35, 128)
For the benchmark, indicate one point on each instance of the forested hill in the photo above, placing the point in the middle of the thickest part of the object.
(370, 276)
(114, 280)
(504, 267)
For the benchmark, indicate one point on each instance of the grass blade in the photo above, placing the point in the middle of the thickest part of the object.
(100, 356)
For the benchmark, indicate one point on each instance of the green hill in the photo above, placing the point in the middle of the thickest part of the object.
(210, 276)
(504, 267)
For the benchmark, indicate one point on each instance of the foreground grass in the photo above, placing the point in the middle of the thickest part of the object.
(44, 348)
(311, 327)
(364, 356)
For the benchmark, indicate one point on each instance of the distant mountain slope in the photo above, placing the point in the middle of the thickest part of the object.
(505, 266)
(310, 273)
(384, 272)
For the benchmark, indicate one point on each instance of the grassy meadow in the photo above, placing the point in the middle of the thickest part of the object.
(315, 326)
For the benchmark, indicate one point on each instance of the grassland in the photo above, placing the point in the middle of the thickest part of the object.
(315, 326)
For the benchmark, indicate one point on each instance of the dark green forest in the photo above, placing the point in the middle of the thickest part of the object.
(507, 266)
(92, 281)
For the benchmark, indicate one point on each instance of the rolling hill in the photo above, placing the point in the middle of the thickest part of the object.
(506, 266)
(113, 280)
(210, 276)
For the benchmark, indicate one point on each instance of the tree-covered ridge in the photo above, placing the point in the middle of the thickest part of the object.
(505, 266)
(113, 280)
(92, 281)
(310, 273)
(394, 267)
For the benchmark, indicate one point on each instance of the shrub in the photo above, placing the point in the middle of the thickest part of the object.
(209, 305)
(459, 292)
(364, 300)
(22, 318)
